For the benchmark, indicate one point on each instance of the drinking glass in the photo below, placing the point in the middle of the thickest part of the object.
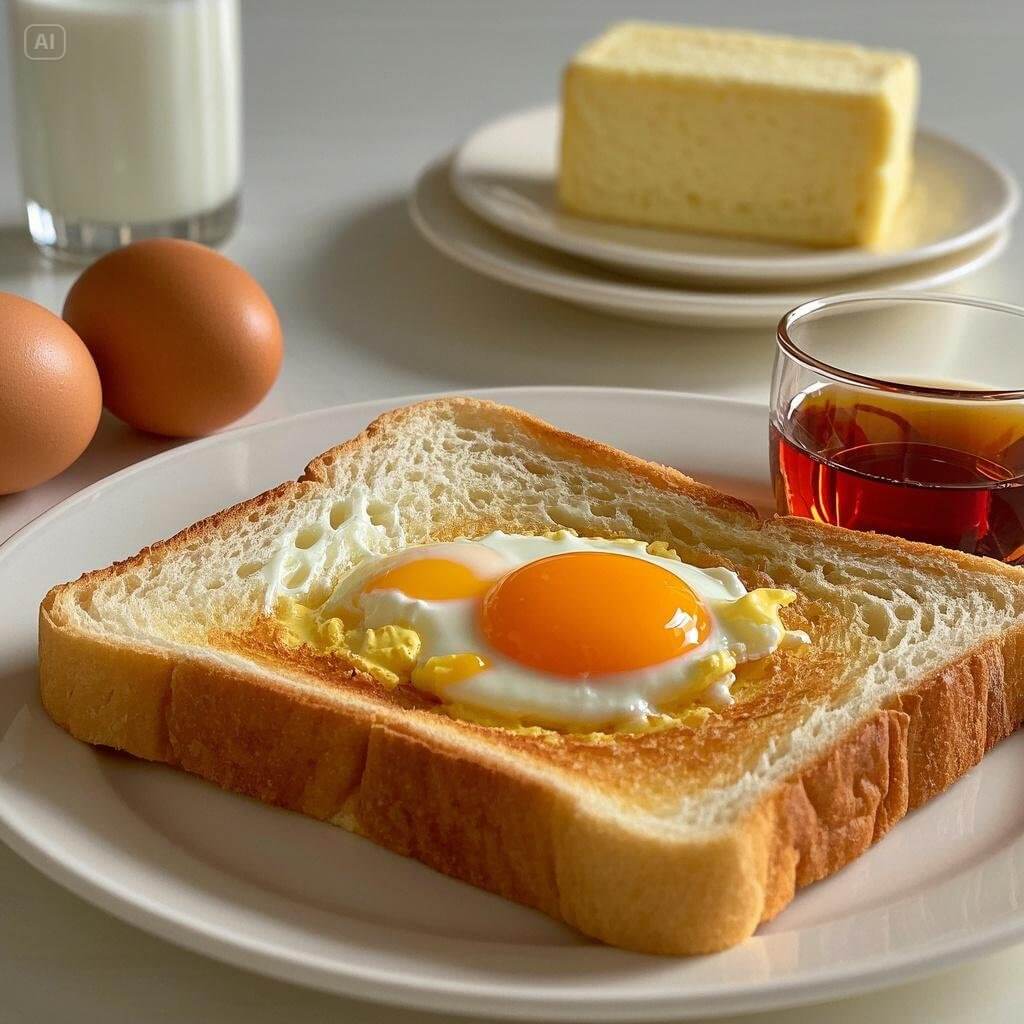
(903, 415)
(128, 116)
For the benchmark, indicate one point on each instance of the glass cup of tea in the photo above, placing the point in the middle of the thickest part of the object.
(903, 415)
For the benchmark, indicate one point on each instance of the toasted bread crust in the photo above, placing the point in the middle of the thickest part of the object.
(510, 831)
(488, 813)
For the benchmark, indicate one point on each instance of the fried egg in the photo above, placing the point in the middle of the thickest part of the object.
(559, 631)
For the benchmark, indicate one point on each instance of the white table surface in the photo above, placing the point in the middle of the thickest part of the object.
(344, 104)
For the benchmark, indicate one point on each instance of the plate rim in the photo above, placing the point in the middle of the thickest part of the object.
(382, 985)
(815, 266)
(640, 298)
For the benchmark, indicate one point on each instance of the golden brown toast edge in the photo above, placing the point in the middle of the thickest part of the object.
(511, 832)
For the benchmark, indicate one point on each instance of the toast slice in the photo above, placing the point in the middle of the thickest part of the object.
(675, 841)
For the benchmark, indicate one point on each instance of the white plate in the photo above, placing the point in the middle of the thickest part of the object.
(460, 234)
(297, 899)
(507, 170)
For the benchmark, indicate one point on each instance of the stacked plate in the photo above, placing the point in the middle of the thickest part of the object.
(493, 207)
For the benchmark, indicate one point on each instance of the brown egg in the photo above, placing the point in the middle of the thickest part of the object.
(50, 398)
(185, 340)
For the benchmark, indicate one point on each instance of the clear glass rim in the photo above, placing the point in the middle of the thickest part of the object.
(786, 344)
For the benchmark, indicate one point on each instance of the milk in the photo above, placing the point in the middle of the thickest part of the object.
(136, 120)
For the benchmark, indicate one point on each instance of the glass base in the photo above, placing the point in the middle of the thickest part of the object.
(80, 241)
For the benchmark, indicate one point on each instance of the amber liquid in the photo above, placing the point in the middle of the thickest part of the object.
(942, 472)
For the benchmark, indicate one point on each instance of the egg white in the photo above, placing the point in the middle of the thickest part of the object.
(510, 690)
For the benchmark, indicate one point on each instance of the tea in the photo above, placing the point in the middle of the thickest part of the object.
(946, 472)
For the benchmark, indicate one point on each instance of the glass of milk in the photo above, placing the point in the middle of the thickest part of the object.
(128, 120)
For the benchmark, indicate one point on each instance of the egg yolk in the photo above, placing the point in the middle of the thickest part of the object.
(430, 579)
(592, 613)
